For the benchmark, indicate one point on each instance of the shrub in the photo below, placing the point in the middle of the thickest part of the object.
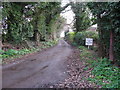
(92, 34)
(48, 44)
(80, 37)
(1, 51)
(23, 51)
(70, 36)
(11, 52)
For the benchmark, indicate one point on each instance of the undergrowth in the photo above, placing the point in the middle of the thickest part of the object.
(12, 53)
(103, 73)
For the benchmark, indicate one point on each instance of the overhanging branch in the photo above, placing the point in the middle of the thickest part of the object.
(66, 11)
(62, 8)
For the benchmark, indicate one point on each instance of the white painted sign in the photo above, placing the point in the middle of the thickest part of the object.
(89, 41)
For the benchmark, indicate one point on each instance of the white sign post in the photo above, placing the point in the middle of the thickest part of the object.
(89, 42)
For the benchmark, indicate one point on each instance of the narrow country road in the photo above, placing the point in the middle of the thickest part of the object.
(40, 69)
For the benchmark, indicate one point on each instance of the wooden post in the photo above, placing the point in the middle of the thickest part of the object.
(88, 46)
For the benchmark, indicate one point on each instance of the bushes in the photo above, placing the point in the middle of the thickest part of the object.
(12, 52)
(48, 44)
(81, 36)
(70, 36)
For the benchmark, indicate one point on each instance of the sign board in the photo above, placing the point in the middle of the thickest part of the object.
(89, 41)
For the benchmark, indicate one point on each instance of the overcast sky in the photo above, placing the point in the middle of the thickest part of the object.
(69, 15)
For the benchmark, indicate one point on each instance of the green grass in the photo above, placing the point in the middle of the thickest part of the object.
(104, 74)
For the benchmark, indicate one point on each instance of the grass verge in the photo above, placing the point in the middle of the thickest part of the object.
(103, 73)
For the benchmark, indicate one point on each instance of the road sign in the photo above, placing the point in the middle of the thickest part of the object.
(89, 41)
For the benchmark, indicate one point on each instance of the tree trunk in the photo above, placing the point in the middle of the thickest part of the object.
(0, 35)
(111, 56)
(100, 43)
(36, 34)
(36, 37)
(10, 21)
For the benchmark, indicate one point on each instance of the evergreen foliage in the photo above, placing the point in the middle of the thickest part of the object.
(23, 21)
(82, 19)
(108, 20)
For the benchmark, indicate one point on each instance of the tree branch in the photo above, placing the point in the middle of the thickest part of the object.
(66, 11)
(62, 8)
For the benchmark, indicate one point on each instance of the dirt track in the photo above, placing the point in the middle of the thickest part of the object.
(47, 67)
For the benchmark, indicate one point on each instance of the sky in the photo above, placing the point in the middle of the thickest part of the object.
(69, 15)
